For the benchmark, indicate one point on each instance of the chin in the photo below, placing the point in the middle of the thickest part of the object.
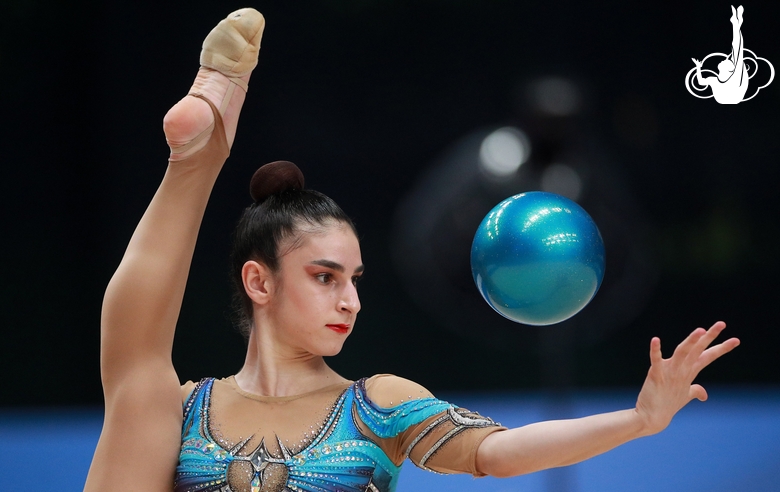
(330, 351)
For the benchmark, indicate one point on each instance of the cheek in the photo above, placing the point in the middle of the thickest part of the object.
(308, 299)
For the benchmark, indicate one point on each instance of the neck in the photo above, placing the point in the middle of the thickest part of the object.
(273, 370)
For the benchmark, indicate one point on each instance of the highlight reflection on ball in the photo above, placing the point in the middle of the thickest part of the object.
(537, 258)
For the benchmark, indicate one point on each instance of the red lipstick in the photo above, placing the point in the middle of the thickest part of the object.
(339, 328)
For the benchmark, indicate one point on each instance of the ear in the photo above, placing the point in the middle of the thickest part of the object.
(258, 282)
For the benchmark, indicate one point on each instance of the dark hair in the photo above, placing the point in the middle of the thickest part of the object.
(282, 208)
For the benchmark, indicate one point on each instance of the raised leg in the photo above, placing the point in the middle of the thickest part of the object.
(139, 445)
(736, 35)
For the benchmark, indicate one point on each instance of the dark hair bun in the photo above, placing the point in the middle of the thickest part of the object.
(275, 177)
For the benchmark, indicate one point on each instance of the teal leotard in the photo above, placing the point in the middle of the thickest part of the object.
(339, 458)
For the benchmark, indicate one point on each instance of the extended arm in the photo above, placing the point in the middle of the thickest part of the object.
(701, 80)
(666, 390)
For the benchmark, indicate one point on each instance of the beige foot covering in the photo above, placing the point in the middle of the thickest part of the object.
(231, 48)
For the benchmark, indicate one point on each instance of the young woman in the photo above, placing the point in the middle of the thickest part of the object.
(286, 421)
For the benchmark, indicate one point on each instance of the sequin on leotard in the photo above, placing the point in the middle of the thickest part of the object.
(340, 457)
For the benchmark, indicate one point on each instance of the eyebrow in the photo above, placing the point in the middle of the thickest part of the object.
(336, 266)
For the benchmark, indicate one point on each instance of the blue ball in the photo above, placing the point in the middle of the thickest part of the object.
(537, 258)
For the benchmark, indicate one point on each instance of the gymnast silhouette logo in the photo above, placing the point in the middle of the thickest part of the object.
(730, 84)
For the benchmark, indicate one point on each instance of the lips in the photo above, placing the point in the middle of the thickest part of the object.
(339, 328)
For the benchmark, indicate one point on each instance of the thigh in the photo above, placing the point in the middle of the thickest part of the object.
(141, 438)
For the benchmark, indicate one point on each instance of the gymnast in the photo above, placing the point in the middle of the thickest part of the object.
(286, 421)
(731, 84)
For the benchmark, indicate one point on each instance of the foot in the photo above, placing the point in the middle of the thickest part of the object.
(190, 117)
(236, 38)
(736, 16)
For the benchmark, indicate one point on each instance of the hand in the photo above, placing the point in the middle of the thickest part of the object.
(697, 62)
(668, 386)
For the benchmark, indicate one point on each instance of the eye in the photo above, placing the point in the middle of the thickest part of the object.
(356, 279)
(324, 278)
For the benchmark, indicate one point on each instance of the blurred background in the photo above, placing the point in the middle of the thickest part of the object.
(417, 118)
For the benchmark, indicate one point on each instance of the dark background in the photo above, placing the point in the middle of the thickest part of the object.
(365, 95)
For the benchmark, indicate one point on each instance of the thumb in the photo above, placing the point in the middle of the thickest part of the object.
(697, 391)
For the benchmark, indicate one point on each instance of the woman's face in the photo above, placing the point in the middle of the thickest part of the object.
(315, 301)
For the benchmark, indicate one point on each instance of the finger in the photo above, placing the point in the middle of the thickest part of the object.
(712, 333)
(655, 351)
(715, 329)
(717, 351)
(685, 347)
(697, 391)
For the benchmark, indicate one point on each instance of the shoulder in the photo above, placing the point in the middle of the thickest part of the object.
(188, 388)
(387, 390)
(390, 406)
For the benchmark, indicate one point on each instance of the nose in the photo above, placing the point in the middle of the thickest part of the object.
(349, 301)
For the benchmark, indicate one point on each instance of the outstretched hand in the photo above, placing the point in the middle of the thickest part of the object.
(669, 383)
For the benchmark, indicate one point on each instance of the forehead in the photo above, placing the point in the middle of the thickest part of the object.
(336, 242)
